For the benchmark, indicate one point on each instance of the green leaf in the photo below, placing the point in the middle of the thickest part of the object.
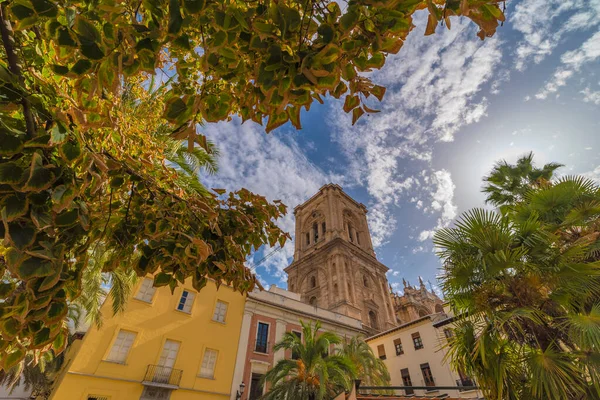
(219, 38)
(13, 357)
(11, 144)
(34, 267)
(62, 196)
(22, 12)
(378, 91)
(40, 141)
(351, 102)
(175, 18)
(56, 312)
(327, 33)
(14, 206)
(194, 6)
(44, 8)
(376, 61)
(162, 279)
(81, 66)
(64, 37)
(42, 338)
(349, 19)
(70, 151)
(92, 51)
(10, 173)
(59, 69)
(22, 236)
(174, 109)
(67, 218)
(40, 178)
(86, 29)
(356, 114)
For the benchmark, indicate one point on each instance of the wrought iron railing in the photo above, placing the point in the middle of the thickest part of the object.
(408, 390)
(261, 346)
(163, 375)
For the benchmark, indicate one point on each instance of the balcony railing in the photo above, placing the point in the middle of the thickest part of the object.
(157, 375)
(468, 382)
(261, 347)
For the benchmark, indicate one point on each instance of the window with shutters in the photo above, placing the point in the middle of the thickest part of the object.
(220, 311)
(146, 291)
(427, 375)
(381, 351)
(121, 346)
(209, 361)
(398, 347)
(417, 341)
(186, 301)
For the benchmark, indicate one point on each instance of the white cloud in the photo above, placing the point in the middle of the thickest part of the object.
(434, 89)
(590, 96)
(594, 174)
(442, 202)
(571, 62)
(537, 21)
(270, 165)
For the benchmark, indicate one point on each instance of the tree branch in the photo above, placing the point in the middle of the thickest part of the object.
(8, 41)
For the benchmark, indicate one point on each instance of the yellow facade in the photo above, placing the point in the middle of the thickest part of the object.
(91, 376)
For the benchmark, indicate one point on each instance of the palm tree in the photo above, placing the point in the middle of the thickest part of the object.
(316, 374)
(369, 368)
(525, 284)
(508, 183)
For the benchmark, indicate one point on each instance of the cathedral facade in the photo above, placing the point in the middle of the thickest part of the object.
(335, 267)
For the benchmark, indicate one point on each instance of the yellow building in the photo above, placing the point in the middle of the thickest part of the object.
(164, 346)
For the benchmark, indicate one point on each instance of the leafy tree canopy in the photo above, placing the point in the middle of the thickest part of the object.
(79, 170)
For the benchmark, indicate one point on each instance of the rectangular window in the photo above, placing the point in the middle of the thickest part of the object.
(406, 381)
(323, 229)
(308, 239)
(208, 364)
(350, 231)
(448, 333)
(381, 351)
(256, 388)
(121, 346)
(357, 239)
(96, 397)
(316, 232)
(262, 338)
(416, 337)
(146, 292)
(398, 346)
(220, 312)
(427, 376)
(296, 355)
(186, 301)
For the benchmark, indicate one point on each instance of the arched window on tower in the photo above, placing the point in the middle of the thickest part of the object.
(316, 232)
(365, 281)
(308, 239)
(373, 319)
(313, 301)
(335, 290)
(357, 239)
(323, 229)
(423, 312)
(350, 232)
(313, 282)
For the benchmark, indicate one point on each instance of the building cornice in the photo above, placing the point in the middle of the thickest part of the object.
(335, 187)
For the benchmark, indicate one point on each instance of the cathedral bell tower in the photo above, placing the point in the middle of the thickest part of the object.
(334, 263)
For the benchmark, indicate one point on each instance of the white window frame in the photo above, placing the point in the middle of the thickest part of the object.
(218, 311)
(205, 375)
(120, 345)
(256, 336)
(144, 290)
(188, 302)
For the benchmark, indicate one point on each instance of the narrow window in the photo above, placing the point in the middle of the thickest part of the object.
(186, 301)
(323, 229)
(381, 351)
(295, 354)
(406, 380)
(256, 387)
(207, 370)
(308, 239)
(357, 239)
(335, 290)
(427, 376)
(121, 346)
(220, 312)
(448, 333)
(398, 346)
(365, 281)
(350, 230)
(163, 372)
(146, 291)
(262, 338)
(316, 232)
(373, 319)
(313, 282)
(313, 301)
(416, 337)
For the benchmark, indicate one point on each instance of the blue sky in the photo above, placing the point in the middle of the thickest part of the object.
(455, 105)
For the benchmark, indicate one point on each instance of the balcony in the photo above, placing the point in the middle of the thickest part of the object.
(261, 347)
(465, 384)
(165, 377)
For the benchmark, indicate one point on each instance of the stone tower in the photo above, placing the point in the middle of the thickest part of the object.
(334, 263)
